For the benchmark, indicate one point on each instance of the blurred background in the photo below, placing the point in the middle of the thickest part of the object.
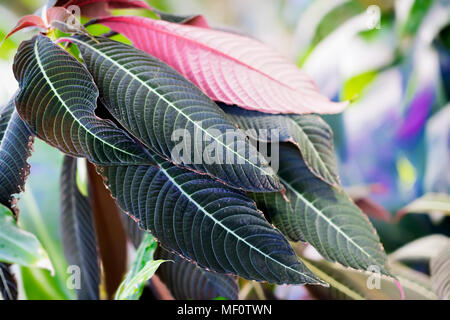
(391, 59)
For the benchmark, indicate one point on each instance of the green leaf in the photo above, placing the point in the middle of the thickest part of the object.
(57, 99)
(348, 284)
(15, 148)
(155, 103)
(309, 133)
(78, 232)
(144, 267)
(187, 281)
(205, 221)
(322, 215)
(440, 273)
(19, 246)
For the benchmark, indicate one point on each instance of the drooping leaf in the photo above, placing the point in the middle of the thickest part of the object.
(15, 148)
(8, 283)
(26, 22)
(19, 246)
(205, 221)
(143, 268)
(111, 236)
(57, 99)
(309, 133)
(132, 229)
(160, 107)
(348, 284)
(322, 215)
(422, 249)
(187, 281)
(78, 232)
(230, 68)
(440, 273)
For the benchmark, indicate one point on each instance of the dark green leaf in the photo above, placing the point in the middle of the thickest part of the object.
(15, 148)
(322, 215)
(187, 281)
(57, 99)
(205, 221)
(8, 284)
(152, 101)
(309, 133)
(78, 232)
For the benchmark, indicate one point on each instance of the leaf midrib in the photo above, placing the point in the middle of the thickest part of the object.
(47, 79)
(316, 152)
(218, 222)
(169, 103)
(331, 223)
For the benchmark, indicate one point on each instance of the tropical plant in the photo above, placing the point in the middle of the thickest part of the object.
(205, 148)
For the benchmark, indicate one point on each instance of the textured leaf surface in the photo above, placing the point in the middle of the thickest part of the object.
(8, 284)
(440, 273)
(205, 221)
(78, 232)
(57, 99)
(322, 215)
(152, 101)
(187, 281)
(15, 148)
(19, 246)
(309, 133)
(230, 68)
(143, 268)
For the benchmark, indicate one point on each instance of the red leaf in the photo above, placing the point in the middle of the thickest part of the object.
(230, 68)
(373, 209)
(101, 8)
(26, 22)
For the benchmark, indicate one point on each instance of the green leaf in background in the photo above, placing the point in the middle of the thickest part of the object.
(57, 90)
(309, 133)
(417, 13)
(40, 215)
(19, 246)
(143, 268)
(187, 281)
(153, 106)
(440, 272)
(322, 215)
(354, 87)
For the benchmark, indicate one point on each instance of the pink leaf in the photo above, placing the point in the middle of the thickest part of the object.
(26, 22)
(230, 68)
